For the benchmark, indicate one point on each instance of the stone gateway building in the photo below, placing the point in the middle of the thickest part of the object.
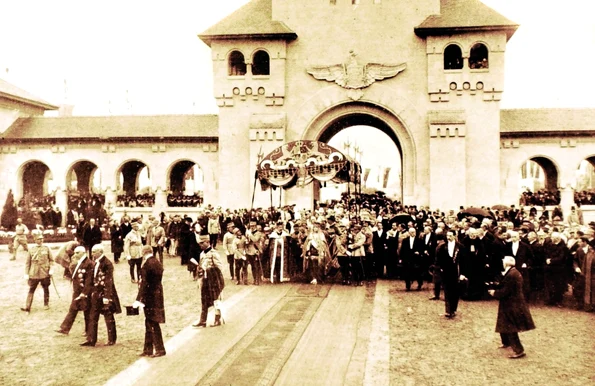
(428, 73)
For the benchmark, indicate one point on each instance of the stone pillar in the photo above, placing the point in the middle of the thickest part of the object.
(566, 199)
(160, 201)
(62, 204)
(110, 197)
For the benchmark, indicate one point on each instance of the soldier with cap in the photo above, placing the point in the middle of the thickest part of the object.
(20, 239)
(211, 282)
(132, 245)
(82, 283)
(39, 270)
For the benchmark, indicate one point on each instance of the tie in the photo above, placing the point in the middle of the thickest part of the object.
(96, 268)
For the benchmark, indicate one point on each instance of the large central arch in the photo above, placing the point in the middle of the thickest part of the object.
(338, 117)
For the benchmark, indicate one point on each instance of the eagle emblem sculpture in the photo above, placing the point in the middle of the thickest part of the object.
(353, 76)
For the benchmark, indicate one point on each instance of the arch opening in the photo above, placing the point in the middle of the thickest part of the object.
(236, 64)
(37, 180)
(186, 184)
(585, 182)
(374, 144)
(538, 182)
(478, 56)
(453, 57)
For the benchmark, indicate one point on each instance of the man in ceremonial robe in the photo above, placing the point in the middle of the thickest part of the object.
(279, 254)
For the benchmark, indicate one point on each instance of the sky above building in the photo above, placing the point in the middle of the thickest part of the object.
(143, 57)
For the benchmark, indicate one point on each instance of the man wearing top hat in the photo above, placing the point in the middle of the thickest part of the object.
(132, 250)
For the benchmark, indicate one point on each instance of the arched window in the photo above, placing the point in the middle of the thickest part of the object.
(478, 57)
(237, 66)
(261, 64)
(453, 57)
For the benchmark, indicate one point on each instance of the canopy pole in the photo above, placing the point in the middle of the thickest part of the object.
(271, 191)
(253, 193)
(280, 191)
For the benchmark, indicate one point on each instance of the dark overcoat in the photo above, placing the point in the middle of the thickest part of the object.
(117, 239)
(513, 312)
(104, 287)
(150, 291)
(82, 283)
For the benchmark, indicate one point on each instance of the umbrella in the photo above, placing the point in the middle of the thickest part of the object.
(477, 212)
(401, 218)
(501, 207)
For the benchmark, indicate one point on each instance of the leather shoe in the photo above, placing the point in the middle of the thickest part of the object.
(516, 356)
(61, 331)
(503, 346)
(199, 325)
(434, 298)
(89, 344)
(25, 309)
(158, 354)
(145, 354)
(110, 343)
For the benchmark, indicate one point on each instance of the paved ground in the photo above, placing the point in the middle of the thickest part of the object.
(291, 334)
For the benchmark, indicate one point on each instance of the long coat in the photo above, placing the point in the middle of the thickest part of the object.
(104, 287)
(150, 291)
(513, 312)
(117, 238)
(82, 283)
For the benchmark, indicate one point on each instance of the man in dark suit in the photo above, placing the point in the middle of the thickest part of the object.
(429, 244)
(474, 266)
(379, 239)
(150, 298)
(411, 257)
(82, 283)
(104, 298)
(523, 255)
(91, 235)
(448, 260)
(513, 313)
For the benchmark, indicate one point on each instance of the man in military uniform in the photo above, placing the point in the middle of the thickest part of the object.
(253, 251)
(82, 283)
(38, 269)
(20, 239)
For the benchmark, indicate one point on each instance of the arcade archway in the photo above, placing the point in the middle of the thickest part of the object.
(538, 173)
(36, 180)
(134, 178)
(83, 178)
(185, 184)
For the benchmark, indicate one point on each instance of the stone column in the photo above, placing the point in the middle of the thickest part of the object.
(110, 197)
(160, 201)
(62, 204)
(566, 199)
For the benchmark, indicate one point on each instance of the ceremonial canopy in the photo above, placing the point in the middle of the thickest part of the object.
(298, 163)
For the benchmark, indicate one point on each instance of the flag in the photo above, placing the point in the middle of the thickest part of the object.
(385, 181)
(366, 174)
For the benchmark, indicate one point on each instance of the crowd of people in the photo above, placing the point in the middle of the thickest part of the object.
(184, 200)
(146, 200)
(345, 242)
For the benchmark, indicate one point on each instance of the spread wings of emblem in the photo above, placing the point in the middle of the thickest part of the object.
(355, 76)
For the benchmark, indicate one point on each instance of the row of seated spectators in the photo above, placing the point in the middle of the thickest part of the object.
(146, 200)
(585, 197)
(544, 197)
(181, 200)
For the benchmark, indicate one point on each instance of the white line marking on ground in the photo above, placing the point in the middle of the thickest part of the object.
(378, 360)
